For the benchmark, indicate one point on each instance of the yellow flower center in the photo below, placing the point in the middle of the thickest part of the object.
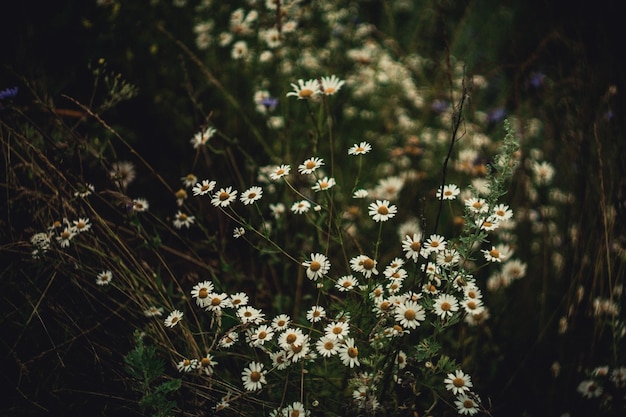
(305, 92)
(216, 301)
(494, 253)
(385, 305)
(329, 345)
(204, 187)
(383, 210)
(315, 266)
(310, 165)
(262, 335)
(458, 382)
(353, 352)
(445, 306)
(416, 246)
(337, 330)
(251, 195)
(224, 196)
(203, 293)
(205, 362)
(329, 90)
(477, 205)
(255, 376)
(291, 338)
(409, 314)
(368, 264)
(434, 244)
(471, 305)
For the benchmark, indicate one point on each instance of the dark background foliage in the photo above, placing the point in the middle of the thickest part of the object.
(554, 60)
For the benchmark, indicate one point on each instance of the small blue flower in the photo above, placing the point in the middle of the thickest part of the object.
(8, 93)
(536, 79)
(496, 115)
(439, 106)
(270, 103)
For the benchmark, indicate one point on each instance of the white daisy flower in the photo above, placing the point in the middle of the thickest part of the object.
(203, 187)
(224, 197)
(251, 195)
(174, 318)
(317, 267)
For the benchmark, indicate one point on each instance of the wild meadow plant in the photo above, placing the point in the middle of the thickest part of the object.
(332, 242)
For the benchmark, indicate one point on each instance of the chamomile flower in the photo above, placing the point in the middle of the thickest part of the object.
(104, 278)
(331, 85)
(381, 211)
(153, 311)
(360, 193)
(281, 322)
(203, 187)
(64, 238)
(493, 255)
(295, 352)
(472, 306)
(238, 232)
(445, 306)
(239, 300)
(315, 314)
(448, 258)
(253, 376)
(229, 339)
(458, 382)
(202, 137)
(310, 165)
(216, 302)
(326, 346)
(434, 244)
(206, 364)
(489, 224)
(278, 210)
(224, 197)
(466, 405)
(290, 337)
(123, 173)
(140, 205)
(300, 207)
(502, 212)
(189, 180)
(183, 220)
(412, 246)
(409, 314)
(477, 205)
(251, 195)
(337, 330)
(173, 318)
(349, 354)
(365, 265)
(262, 334)
(514, 269)
(346, 283)
(305, 90)
(323, 184)
(279, 360)
(317, 267)
(81, 225)
(187, 365)
(279, 171)
(201, 292)
(360, 149)
(450, 192)
(248, 314)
